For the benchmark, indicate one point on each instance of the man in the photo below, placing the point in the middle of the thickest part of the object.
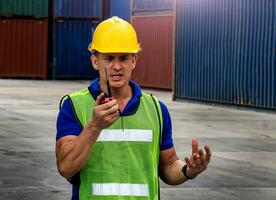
(113, 140)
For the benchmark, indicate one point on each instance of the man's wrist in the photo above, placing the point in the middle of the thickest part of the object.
(185, 172)
(93, 129)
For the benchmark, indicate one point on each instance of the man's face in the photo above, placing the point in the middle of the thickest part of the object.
(118, 67)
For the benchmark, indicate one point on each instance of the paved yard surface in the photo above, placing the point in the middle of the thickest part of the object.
(243, 165)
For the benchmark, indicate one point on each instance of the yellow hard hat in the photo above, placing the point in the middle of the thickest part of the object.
(114, 35)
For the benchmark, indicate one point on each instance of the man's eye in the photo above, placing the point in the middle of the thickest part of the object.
(108, 58)
(124, 58)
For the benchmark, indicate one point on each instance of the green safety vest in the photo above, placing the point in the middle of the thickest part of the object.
(123, 163)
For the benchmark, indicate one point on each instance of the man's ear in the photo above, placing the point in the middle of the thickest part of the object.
(94, 61)
(134, 60)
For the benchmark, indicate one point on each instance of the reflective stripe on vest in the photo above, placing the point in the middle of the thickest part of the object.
(131, 135)
(122, 189)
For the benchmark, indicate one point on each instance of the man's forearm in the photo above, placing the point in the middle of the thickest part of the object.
(73, 153)
(172, 174)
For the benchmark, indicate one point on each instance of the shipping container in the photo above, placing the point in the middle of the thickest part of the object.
(152, 5)
(225, 51)
(71, 57)
(23, 49)
(154, 66)
(121, 8)
(78, 9)
(106, 8)
(27, 8)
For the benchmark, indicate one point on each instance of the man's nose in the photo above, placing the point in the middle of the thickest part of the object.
(117, 65)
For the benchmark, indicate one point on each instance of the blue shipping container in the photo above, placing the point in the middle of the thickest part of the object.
(121, 8)
(226, 51)
(71, 57)
(78, 9)
(152, 5)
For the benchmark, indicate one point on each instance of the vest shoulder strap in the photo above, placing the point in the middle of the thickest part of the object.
(158, 111)
(80, 98)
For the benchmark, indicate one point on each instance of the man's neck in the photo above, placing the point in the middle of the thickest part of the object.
(122, 95)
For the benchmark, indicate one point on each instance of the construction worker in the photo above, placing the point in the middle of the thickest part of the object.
(113, 140)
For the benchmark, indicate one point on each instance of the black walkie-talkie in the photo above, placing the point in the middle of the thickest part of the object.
(109, 95)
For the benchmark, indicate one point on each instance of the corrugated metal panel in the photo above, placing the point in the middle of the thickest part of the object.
(121, 8)
(149, 13)
(225, 51)
(32, 8)
(78, 9)
(106, 9)
(152, 5)
(71, 57)
(23, 49)
(154, 67)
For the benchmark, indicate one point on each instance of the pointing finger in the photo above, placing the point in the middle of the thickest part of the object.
(194, 146)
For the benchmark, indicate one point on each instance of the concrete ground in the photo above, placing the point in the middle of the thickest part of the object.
(243, 165)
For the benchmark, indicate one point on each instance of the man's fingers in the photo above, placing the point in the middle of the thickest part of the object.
(208, 153)
(107, 106)
(110, 104)
(110, 107)
(98, 100)
(110, 114)
(116, 115)
(189, 163)
(194, 146)
(196, 159)
(195, 156)
(202, 157)
(113, 117)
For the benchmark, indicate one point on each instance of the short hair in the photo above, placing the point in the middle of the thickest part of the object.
(95, 53)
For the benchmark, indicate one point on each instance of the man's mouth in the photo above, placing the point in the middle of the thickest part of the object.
(116, 76)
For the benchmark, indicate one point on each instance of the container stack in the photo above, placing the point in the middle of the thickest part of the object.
(225, 52)
(120, 8)
(74, 24)
(24, 38)
(153, 21)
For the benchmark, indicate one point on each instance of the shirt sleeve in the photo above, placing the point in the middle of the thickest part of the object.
(167, 141)
(66, 121)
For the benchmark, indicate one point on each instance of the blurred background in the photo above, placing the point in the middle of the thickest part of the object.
(212, 62)
(206, 50)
